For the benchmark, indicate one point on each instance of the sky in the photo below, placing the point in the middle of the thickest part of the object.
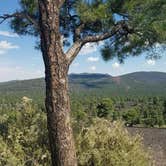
(20, 60)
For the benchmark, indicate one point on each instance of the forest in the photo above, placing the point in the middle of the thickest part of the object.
(23, 126)
(23, 131)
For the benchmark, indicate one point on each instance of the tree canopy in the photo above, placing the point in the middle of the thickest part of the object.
(128, 27)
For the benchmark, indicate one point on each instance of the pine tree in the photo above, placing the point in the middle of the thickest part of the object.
(127, 27)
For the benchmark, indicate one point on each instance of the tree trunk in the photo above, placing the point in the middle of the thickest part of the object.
(57, 99)
(58, 116)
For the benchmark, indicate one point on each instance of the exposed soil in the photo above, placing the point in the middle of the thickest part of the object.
(155, 139)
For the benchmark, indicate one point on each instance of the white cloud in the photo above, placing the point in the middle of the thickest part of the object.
(93, 59)
(8, 34)
(151, 62)
(5, 46)
(93, 68)
(88, 49)
(91, 47)
(115, 65)
(18, 73)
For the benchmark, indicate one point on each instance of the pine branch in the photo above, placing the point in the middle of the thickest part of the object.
(76, 47)
(73, 51)
(20, 15)
(120, 26)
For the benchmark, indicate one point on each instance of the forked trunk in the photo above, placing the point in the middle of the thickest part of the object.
(57, 99)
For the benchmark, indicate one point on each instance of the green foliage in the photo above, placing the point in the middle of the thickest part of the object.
(23, 131)
(132, 85)
(152, 117)
(21, 25)
(24, 140)
(146, 19)
(130, 97)
(105, 108)
(149, 18)
(137, 111)
(131, 117)
(143, 24)
(95, 14)
(105, 143)
(29, 6)
(164, 111)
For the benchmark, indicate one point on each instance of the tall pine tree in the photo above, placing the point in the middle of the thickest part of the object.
(128, 27)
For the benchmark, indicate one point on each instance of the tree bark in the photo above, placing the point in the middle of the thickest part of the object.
(58, 116)
(57, 99)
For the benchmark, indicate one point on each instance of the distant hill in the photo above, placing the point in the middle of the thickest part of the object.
(138, 83)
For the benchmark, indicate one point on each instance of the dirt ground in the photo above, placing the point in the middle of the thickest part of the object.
(154, 139)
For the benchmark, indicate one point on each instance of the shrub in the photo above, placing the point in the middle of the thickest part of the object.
(24, 142)
(109, 144)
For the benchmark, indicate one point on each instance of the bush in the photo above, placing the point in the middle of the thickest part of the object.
(24, 140)
(109, 144)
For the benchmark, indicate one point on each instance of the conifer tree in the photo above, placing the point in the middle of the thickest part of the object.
(128, 27)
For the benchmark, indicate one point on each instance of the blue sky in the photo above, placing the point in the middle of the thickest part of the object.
(19, 59)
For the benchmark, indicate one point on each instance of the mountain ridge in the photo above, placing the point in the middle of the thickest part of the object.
(85, 73)
(137, 83)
